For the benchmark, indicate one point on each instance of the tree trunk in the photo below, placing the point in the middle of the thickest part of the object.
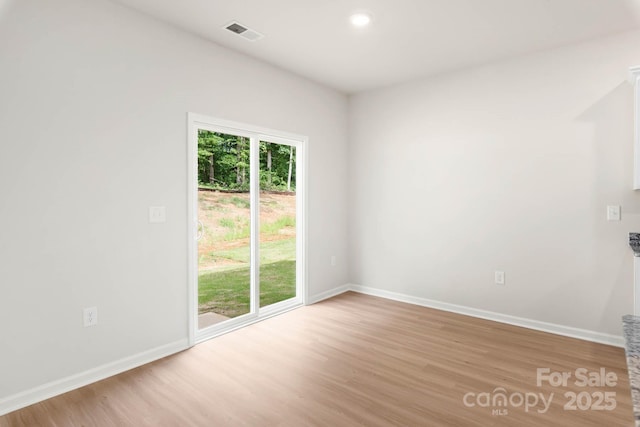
(211, 171)
(290, 168)
(239, 172)
(269, 180)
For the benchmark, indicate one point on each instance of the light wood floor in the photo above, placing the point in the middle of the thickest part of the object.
(348, 361)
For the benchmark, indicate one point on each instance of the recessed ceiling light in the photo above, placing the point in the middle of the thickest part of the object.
(360, 19)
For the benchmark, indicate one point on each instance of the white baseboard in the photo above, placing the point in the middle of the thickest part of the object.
(63, 385)
(329, 294)
(566, 331)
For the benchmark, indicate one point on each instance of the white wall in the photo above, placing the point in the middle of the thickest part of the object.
(93, 121)
(509, 166)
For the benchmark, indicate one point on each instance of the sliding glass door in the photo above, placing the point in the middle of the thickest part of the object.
(246, 224)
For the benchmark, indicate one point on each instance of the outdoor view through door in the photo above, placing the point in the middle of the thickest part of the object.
(247, 232)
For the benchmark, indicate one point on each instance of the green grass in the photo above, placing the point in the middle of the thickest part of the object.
(277, 250)
(224, 288)
(227, 292)
(210, 205)
(238, 228)
(206, 185)
(275, 227)
(236, 201)
(216, 208)
(227, 223)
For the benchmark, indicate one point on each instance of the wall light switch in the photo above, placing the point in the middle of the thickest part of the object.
(157, 214)
(499, 277)
(613, 213)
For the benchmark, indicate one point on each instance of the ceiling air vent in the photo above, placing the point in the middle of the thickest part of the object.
(243, 31)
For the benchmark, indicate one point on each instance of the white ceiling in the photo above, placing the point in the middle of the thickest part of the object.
(408, 38)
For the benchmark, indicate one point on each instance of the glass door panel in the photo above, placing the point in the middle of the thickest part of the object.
(224, 227)
(278, 213)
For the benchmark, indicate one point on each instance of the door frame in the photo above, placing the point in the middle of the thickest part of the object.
(256, 134)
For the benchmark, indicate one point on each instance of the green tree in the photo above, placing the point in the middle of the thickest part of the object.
(223, 163)
(208, 148)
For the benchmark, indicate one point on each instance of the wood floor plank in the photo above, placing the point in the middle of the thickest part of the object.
(348, 361)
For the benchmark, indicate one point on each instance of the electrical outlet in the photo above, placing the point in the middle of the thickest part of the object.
(90, 316)
(499, 277)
